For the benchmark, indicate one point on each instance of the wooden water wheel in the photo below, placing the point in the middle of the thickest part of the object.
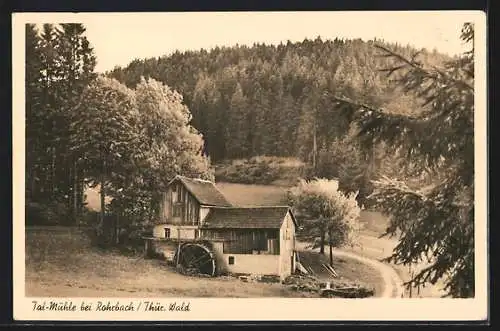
(195, 258)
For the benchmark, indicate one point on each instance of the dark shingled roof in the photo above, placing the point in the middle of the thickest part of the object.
(204, 191)
(245, 217)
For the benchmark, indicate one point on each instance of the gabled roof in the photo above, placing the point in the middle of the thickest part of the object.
(246, 217)
(204, 191)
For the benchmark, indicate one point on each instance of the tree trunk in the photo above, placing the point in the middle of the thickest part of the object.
(80, 191)
(315, 148)
(103, 195)
(330, 246)
(117, 229)
(53, 173)
(75, 193)
(411, 285)
(102, 201)
(114, 221)
(322, 243)
(32, 195)
(331, 255)
(151, 214)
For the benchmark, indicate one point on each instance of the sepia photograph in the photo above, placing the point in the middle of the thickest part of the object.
(168, 160)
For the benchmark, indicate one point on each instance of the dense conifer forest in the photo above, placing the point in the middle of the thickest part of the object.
(278, 100)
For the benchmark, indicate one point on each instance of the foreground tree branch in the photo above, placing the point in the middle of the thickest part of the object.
(435, 226)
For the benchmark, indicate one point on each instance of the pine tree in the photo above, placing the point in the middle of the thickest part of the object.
(274, 117)
(436, 222)
(237, 126)
(34, 116)
(288, 127)
(258, 120)
(60, 63)
(49, 71)
(76, 63)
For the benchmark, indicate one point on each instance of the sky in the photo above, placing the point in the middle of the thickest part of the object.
(118, 38)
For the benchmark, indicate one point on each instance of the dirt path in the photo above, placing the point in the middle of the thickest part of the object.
(393, 283)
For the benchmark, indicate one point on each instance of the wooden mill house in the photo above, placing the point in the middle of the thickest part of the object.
(198, 228)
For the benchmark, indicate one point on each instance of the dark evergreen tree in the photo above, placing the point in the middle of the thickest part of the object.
(36, 153)
(59, 64)
(237, 129)
(435, 223)
(76, 63)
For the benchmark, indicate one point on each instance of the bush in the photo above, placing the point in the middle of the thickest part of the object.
(50, 213)
(128, 239)
(132, 235)
(250, 173)
(89, 218)
(259, 170)
(96, 238)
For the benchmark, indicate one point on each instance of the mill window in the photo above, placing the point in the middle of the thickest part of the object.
(176, 210)
(179, 194)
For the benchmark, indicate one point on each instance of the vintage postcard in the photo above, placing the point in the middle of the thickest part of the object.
(271, 166)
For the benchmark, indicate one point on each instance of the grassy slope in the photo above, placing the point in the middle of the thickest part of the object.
(60, 262)
(253, 194)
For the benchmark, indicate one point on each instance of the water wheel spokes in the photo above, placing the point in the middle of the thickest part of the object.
(186, 257)
(197, 258)
(200, 260)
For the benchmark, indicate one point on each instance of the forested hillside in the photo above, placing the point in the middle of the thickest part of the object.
(278, 100)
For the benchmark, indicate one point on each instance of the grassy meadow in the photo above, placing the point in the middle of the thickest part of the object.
(61, 262)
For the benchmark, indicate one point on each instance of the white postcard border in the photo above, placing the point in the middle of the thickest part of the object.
(210, 309)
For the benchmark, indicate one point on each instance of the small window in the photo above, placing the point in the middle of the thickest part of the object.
(196, 234)
(173, 194)
(176, 210)
(231, 260)
(167, 233)
(272, 235)
(179, 195)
